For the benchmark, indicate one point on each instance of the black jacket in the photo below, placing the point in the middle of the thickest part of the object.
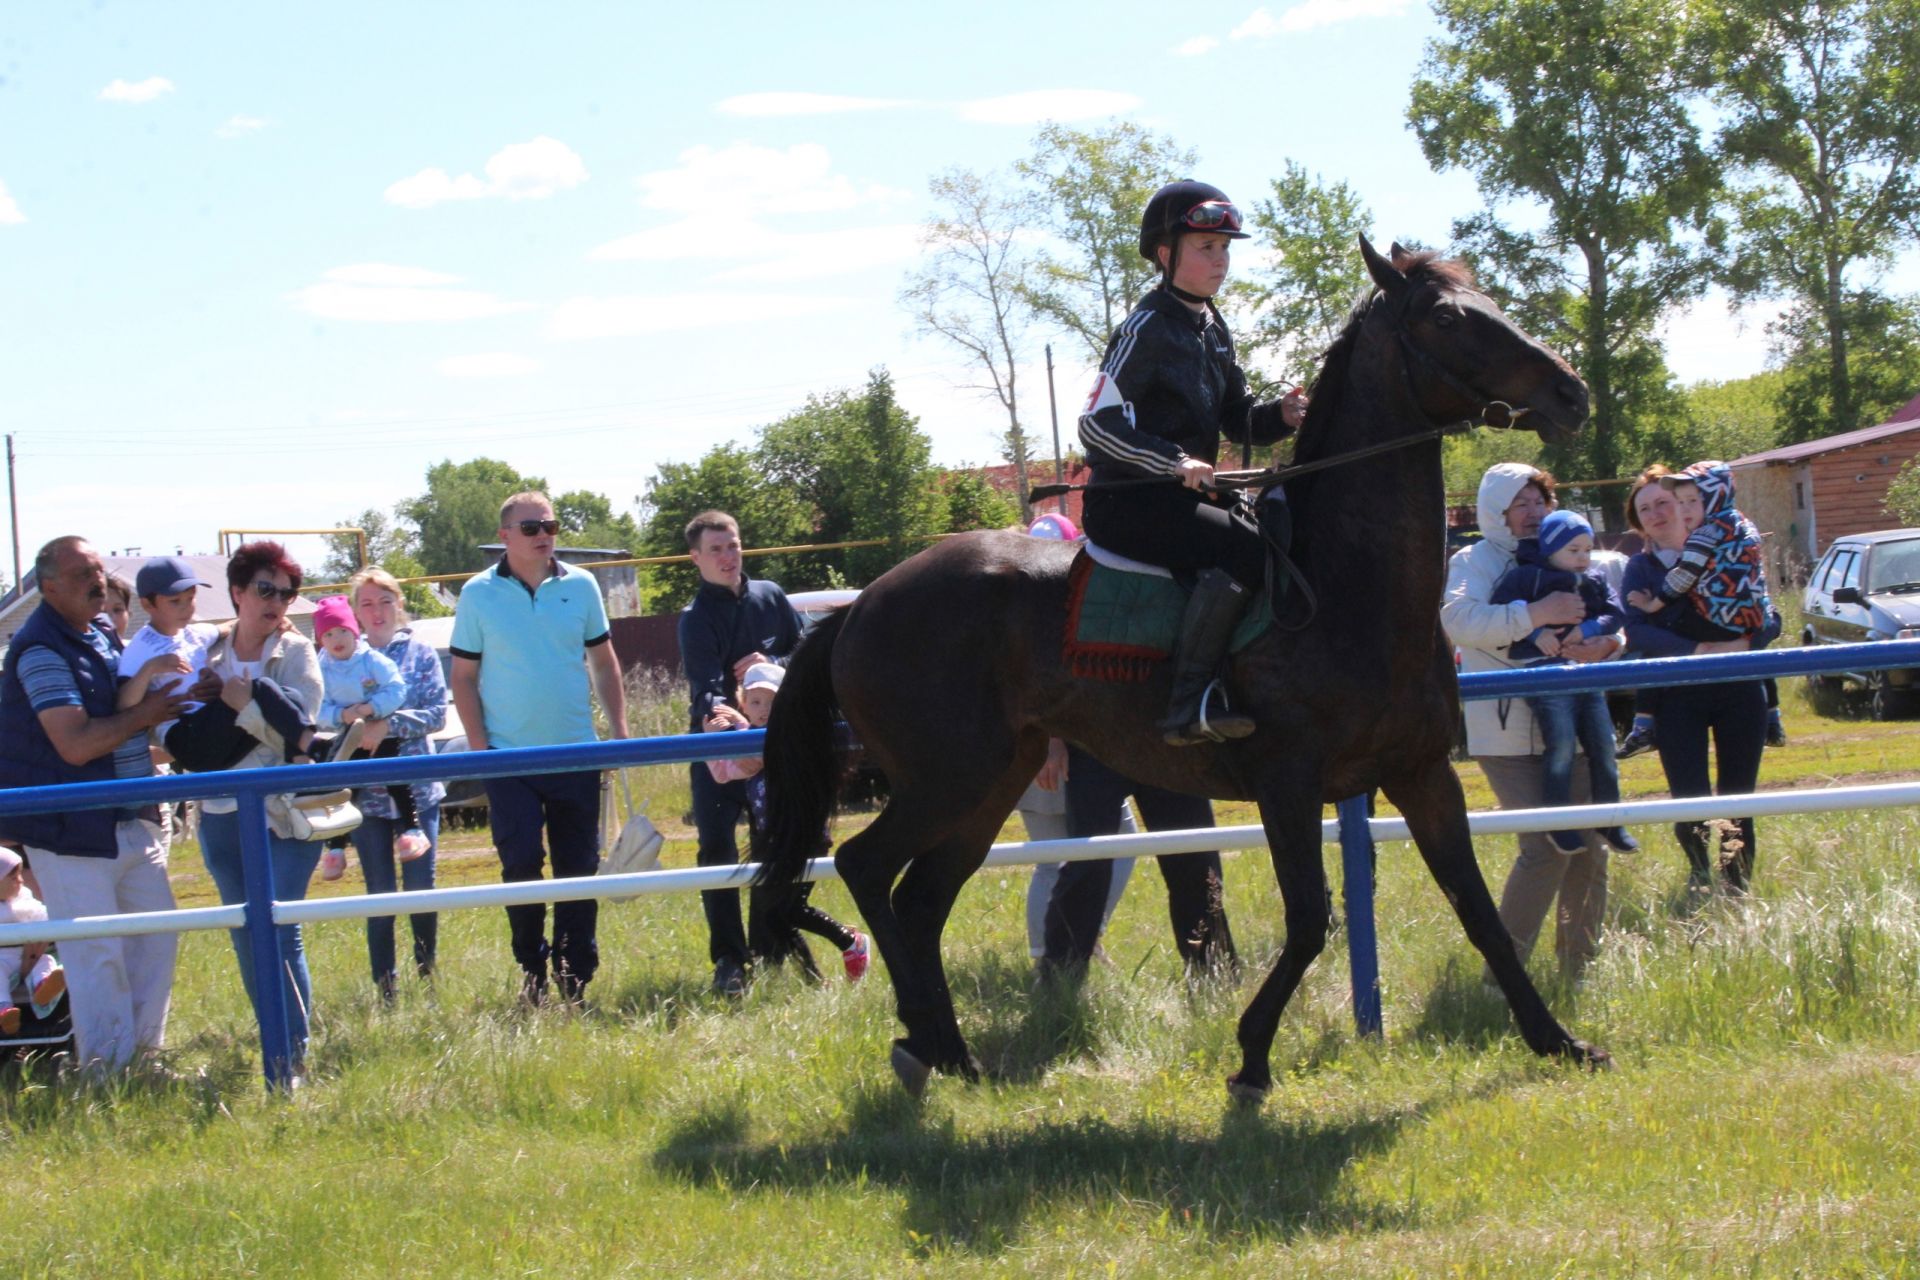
(1168, 389)
(719, 628)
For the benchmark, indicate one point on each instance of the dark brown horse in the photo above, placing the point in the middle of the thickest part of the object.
(949, 671)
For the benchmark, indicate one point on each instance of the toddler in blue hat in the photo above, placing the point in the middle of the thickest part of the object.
(1560, 558)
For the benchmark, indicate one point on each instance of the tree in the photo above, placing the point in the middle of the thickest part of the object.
(899, 499)
(972, 503)
(1882, 338)
(1089, 191)
(1821, 111)
(968, 292)
(390, 545)
(460, 511)
(587, 520)
(1903, 495)
(1582, 107)
(1301, 301)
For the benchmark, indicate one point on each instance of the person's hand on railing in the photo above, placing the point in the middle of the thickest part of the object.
(1739, 644)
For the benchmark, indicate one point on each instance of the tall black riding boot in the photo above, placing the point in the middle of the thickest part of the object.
(1693, 838)
(1206, 629)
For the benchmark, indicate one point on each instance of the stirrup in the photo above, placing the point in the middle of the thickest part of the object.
(1207, 730)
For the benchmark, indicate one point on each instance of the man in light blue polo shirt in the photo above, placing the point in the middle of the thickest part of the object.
(527, 635)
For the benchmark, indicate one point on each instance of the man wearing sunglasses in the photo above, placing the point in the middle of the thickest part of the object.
(1168, 389)
(527, 634)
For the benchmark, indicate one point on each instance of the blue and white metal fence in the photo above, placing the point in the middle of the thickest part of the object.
(1353, 829)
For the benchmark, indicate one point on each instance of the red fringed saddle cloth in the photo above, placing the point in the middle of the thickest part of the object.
(1119, 624)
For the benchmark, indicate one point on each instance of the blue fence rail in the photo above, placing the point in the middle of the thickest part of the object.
(251, 787)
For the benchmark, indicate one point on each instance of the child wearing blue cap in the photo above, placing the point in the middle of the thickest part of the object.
(1560, 558)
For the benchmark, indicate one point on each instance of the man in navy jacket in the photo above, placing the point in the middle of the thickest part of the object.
(59, 723)
(733, 622)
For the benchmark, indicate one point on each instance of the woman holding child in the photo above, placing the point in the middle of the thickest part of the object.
(1503, 736)
(1734, 614)
(258, 648)
(379, 608)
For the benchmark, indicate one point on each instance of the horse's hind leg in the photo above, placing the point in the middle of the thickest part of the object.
(1436, 813)
(1293, 837)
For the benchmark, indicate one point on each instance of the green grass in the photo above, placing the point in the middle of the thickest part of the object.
(1764, 1118)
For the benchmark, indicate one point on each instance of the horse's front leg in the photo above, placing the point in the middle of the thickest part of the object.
(1436, 813)
(1291, 816)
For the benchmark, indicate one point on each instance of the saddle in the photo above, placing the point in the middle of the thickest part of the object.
(1123, 616)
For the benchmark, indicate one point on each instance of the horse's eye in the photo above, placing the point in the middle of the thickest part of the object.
(1446, 318)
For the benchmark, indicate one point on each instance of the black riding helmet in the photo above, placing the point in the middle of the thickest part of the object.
(1186, 206)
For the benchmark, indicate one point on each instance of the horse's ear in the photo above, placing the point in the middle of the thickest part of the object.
(1398, 252)
(1384, 273)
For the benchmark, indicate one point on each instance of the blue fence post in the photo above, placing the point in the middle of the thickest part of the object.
(269, 986)
(1363, 954)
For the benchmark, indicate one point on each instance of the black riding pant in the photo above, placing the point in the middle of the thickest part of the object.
(1095, 795)
(1170, 525)
(1734, 716)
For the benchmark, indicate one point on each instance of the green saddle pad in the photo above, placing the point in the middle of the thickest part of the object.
(1119, 623)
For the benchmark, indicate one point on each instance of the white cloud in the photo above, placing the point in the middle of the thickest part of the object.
(741, 180)
(1195, 47)
(1308, 14)
(1047, 104)
(143, 91)
(240, 126)
(637, 315)
(375, 293)
(1708, 341)
(489, 364)
(804, 104)
(10, 215)
(524, 171)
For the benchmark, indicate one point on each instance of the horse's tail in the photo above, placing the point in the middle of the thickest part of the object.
(802, 757)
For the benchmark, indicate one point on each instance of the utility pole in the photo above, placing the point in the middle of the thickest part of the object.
(1053, 407)
(13, 509)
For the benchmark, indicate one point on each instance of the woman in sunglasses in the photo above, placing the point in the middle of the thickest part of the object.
(1169, 388)
(258, 662)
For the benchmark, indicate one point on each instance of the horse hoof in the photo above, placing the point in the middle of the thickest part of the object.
(1249, 1096)
(913, 1073)
(1591, 1056)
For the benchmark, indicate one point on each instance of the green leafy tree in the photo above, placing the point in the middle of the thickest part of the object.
(967, 292)
(1089, 189)
(460, 512)
(587, 519)
(1903, 495)
(1581, 109)
(1821, 121)
(1724, 420)
(972, 503)
(390, 545)
(1301, 301)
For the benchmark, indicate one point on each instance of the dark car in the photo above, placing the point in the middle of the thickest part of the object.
(1866, 587)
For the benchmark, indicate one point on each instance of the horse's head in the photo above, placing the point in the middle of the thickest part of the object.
(1461, 356)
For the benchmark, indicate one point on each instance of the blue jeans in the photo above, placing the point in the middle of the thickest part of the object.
(293, 864)
(1571, 722)
(373, 840)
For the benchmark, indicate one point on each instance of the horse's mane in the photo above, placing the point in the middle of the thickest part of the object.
(1327, 394)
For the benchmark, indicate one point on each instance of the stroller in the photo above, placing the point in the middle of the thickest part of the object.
(37, 1035)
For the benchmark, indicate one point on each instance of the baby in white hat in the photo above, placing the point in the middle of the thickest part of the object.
(46, 980)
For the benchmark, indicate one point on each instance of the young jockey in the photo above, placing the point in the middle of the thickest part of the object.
(1168, 389)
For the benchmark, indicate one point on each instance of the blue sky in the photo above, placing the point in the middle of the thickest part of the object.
(261, 266)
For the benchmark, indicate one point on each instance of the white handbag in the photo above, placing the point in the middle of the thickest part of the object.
(322, 817)
(637, 847)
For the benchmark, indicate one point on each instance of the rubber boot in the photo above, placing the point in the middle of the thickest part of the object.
(1206, 629)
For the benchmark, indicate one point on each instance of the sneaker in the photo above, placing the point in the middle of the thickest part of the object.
(857, 957)
(9, 1019)
(729, 979)
(333, 863)
(1639, 740)
(1619, 838)
(411, 844)
(49, 987)
(1776, 732)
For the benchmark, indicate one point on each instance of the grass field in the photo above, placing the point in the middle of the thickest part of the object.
(1764, 1118)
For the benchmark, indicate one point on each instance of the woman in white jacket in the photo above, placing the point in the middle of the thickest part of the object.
(1501, 738)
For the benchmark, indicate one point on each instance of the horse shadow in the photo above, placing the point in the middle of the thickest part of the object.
(1272, 1176)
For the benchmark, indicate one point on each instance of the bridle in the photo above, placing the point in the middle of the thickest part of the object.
(1497, 414)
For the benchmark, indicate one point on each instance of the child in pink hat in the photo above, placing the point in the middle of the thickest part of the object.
(359, 684)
